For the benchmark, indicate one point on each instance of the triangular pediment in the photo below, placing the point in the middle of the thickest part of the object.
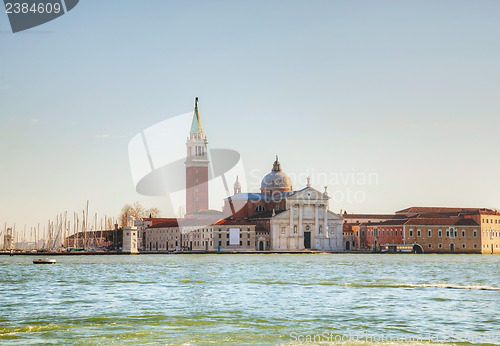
(308, 193)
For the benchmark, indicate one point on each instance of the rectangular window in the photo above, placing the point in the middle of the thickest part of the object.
(475, 246)
(418, 233)
(430, 245)
(411, 233)
(463, 246)
(227, 243)
(234, 236)
(429, 233)
(440, 233)
(463, 233)
(440, 245)
(475, 233)
(248, 243)
(447, 233)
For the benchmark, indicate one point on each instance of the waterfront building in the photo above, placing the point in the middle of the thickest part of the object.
(277, 219)
(490, 229)
(130, 235)
(389, 233)
(191, 235)
(355, 221)
(436, 230)
(487, 219)
(290, 220)
(349, 237)
(443, 234)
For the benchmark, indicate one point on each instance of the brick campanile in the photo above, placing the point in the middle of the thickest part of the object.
(196, 166)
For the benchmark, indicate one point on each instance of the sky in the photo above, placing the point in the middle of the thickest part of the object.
(390, 104)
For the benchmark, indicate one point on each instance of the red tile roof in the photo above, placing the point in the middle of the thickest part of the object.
(186, 222)
(171, 222)
(232, 222)
(420, 210)
(441, 221)
(368, 216)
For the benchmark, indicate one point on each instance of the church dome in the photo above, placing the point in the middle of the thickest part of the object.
(276, 181)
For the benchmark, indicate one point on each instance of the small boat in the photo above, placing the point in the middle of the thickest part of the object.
(44, 261)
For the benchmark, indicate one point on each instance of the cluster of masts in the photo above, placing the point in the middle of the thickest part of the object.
(66, 232)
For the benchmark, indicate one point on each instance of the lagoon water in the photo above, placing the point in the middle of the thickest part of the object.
(250, 299)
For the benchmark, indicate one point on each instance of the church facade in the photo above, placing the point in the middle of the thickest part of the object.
(277, 218)
(288, 220)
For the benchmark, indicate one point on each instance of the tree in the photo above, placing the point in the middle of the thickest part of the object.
(137, 211)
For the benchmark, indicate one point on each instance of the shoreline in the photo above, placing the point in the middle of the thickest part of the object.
(101, 253)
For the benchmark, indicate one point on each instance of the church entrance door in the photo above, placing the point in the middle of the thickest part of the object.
(307, 240)
(261, 246)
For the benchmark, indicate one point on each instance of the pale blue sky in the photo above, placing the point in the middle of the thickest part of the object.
(406, 90)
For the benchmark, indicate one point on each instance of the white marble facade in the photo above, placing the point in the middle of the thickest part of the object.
(306, 224)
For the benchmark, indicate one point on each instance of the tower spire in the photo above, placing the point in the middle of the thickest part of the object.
(196, 124)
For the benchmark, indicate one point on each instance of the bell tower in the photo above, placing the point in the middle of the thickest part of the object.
(237, 186)
(196, 166)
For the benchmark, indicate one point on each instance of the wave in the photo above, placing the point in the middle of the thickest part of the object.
(436, 285)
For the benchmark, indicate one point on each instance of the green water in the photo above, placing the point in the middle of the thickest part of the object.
(250, 299)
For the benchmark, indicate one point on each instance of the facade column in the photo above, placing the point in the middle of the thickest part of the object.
(291, 221)
(316, 225)
(301, 233)
(325, 221)
(326, 231)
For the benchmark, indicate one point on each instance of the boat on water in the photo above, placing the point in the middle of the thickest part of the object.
(44, 261)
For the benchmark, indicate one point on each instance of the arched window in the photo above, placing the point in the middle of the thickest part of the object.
(260, 208)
